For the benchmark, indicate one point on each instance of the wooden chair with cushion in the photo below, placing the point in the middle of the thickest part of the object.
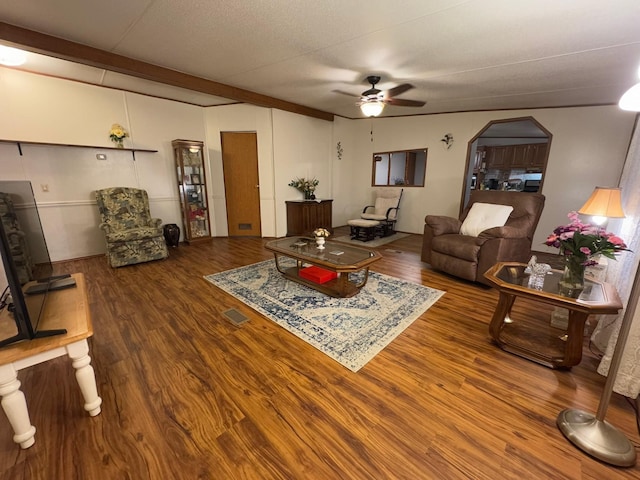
(384, 210)
(499, 229)
(378, 219)
(132, 235)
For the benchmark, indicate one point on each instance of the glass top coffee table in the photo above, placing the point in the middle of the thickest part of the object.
(511, 335)
(338, 258)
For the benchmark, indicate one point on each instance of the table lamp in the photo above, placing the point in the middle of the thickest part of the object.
(603, 203)
(592, 433)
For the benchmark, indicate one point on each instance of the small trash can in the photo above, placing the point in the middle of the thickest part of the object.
(171, 233)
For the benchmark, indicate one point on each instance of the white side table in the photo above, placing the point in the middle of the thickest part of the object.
(66, 309)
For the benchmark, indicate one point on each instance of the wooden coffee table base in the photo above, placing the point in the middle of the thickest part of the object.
(340, 287)
(335, 257)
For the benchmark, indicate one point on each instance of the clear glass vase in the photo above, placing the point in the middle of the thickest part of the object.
(571, 283)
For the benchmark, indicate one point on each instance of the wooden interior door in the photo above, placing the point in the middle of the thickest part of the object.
(242, 189)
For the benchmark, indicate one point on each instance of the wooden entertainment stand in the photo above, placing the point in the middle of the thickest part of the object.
(64, 309)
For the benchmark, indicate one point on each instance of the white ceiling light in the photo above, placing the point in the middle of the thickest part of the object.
(372, 108)
(12, 57)
(631, 98)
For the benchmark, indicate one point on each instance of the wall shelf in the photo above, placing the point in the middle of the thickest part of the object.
(19, 144)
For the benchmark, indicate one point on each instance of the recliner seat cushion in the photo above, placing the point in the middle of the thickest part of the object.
(458, 246)
(454, 266)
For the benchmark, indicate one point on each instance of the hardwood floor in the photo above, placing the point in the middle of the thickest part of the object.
(186, 394)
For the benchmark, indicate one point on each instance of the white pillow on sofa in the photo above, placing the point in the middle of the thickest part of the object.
(482, 216)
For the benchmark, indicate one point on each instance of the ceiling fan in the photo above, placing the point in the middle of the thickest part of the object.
(373, 100)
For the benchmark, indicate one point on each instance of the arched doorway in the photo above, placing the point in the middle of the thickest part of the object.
(507, 154)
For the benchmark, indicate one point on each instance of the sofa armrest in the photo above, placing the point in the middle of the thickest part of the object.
(155, 222)
(441, 225)
(434, 226)
(502, 232)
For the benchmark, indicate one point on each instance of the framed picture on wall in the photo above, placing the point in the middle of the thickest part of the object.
(195, 179)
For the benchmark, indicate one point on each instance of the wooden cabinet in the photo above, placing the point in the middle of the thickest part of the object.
(502, 157)
(538, 155)
(499, 157)
(192, 189)
(304, 216)
(520, 156)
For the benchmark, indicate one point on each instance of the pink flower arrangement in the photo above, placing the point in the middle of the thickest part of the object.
(584, 240)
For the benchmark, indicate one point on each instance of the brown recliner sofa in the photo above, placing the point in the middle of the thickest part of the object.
(468, 257)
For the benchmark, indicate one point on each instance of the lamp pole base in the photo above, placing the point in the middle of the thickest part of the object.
(596, 437)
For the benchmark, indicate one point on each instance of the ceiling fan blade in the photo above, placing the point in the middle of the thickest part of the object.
(399, 102)
(346, 93)
(395, 91)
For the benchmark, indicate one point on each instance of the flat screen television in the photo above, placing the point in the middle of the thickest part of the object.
(26, 262)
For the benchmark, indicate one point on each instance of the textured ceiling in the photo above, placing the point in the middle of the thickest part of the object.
(459, 55)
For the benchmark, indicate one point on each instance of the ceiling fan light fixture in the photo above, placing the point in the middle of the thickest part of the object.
(372, 108)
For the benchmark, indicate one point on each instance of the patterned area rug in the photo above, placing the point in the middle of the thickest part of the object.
(376, 242)
(349, 330)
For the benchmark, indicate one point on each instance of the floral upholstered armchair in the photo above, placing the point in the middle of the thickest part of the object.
(132, 235)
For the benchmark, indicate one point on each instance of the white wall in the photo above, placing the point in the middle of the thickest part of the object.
(289, 146)
(43, 109)
(347, 181)
(240, 118)
(301, 148)
(588, 148)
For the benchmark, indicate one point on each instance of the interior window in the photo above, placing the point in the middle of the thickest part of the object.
(405, 167)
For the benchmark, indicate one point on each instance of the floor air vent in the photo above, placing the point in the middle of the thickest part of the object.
(235, 317)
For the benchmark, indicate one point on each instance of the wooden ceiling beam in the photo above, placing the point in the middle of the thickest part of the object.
(75, 52)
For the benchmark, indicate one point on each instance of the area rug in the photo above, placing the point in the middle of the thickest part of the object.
(377, 242)
(349, 330)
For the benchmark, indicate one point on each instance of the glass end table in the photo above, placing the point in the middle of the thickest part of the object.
(517, 337)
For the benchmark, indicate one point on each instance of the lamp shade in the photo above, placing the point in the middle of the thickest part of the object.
(604, 202)
(372, 108)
